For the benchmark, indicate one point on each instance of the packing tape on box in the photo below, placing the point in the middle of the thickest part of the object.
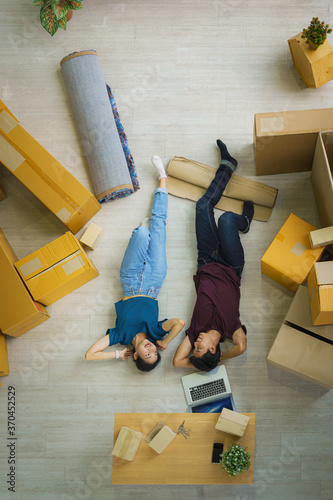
(103, 139)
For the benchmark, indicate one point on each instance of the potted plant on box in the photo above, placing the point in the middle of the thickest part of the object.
(54, 14)
(236, 460)
(316, 33)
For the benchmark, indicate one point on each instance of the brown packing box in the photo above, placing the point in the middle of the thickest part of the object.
(127, 444)
(160, 437)
(321, 177)
(4, 368)
(314, 66)
(285, 141)
(43, 175)
(18, 311)
(56, 269)
(92, 236)
(320, 286)
(232, 422)
(190, 179)
(289, 258)
(321, 237)
(301, 348)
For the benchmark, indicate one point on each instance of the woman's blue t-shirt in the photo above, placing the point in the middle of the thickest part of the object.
(138, 314)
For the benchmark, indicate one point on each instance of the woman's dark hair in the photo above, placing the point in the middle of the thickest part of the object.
(146, 367)
(208, 361)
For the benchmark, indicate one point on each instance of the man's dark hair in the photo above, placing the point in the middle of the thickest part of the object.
(144, 366)
(207, 361)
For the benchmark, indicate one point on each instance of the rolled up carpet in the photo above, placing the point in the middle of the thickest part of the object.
(103, 139)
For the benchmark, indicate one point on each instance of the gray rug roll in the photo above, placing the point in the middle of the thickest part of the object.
(112, 172)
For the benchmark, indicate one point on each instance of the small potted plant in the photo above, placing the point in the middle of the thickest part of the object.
(54, 14)
(316, 33)
(236, 460)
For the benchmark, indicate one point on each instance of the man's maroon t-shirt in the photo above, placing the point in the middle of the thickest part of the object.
(217, 304)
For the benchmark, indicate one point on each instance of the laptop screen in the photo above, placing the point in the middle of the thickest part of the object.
(214, 406)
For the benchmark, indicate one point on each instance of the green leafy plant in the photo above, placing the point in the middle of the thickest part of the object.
(236, 460)
(53, 13)
(316, 33)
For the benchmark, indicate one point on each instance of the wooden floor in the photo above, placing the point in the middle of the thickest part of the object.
(184, 73)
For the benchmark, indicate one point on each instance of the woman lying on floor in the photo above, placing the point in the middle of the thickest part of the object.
(142, 274)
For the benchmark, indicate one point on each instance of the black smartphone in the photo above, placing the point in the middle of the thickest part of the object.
(217, 451)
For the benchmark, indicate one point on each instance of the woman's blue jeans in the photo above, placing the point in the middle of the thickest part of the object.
(144, 265)
(219, 242)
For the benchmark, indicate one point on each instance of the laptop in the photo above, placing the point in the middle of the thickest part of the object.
(208, 392)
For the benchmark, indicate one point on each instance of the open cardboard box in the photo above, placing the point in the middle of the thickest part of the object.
(302, 348)
(320, 285)
(321, 177)
(285, 141)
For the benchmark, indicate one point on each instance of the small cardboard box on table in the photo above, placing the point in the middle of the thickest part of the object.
(43, 175)
(315, 66)
(18, 311)
(285, 141)
(56, 269)
(127, 444)
(232, 422)
(321, 177)
(320, 286)
(4, 368)
(302, 348)
(289, 258)
(160, 437)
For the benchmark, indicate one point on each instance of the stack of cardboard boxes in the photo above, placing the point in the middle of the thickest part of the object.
(296, 141)
(55, 270)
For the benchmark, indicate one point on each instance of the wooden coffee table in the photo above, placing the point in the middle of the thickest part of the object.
(184, 461)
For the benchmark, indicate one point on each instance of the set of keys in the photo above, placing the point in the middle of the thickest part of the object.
(182, 430)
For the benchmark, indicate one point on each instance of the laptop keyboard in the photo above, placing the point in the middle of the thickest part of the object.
(206, 390)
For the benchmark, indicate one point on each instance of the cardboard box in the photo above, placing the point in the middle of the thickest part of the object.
(56, 269)
(18, 311)
(320, 286)
(232, 422)
(285, 141)
(301, 348)
(92, 236)
(43, 175)
(321, 237)
(4, 368)
(127, 444)
(321, 177)
(314, 66)
(160, 437)
(289, 258)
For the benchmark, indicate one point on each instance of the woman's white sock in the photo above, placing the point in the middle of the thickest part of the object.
(158, 164)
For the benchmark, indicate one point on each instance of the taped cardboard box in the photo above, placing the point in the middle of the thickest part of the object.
(300, 347)
(19, 313)
(285, 141)
(127, 444)
(4, 368)
(190, 179)
(43, 175)
(56, 269)
(92, 236)
(321, 237)
(289, 258)
(2, 194)
(321, 177)
(160, 437)
(232, 422)
(320, 286)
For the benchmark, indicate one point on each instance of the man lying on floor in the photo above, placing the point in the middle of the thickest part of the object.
(142, 274)
(217, 281)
